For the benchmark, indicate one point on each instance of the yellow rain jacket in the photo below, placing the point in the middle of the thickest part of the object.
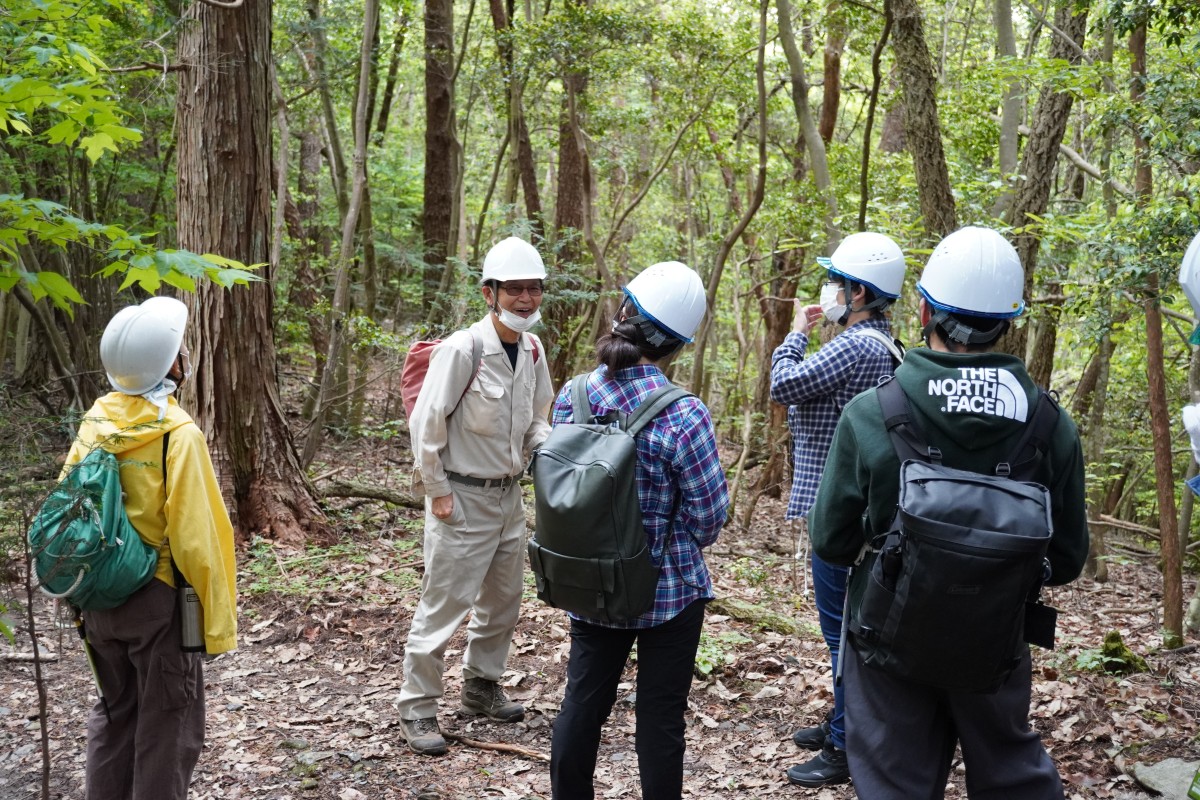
(189, 521)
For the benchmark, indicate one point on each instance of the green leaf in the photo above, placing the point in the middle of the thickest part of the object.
(96, 144)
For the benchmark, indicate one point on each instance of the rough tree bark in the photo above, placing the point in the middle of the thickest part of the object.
(921, 125)
(223, 197)
(441, 144)
(1050, 117)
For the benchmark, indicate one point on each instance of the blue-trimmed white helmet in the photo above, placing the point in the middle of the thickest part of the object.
(671, 296)
(974, 271)
(872, 259)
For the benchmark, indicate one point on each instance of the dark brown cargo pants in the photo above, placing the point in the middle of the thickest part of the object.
(155, 696)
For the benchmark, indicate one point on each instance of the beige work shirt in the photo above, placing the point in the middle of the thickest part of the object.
(499, 421)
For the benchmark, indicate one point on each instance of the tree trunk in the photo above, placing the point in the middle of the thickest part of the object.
(922, 129)
(835, 41)
(1156, 382)
(441, 144)
(813, 138)
(699, 383)
(517, 130)
(342, 300)
(1012, 105)
(223, 197)
(568, 206)
(1050, 118)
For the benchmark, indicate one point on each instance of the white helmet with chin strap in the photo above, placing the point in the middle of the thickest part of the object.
(140, 344)
(872, 259)
(512, 259)
(670, 300)
(975, 272)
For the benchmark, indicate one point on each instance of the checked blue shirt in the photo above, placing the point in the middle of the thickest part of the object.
(677, 468)
(816, 389)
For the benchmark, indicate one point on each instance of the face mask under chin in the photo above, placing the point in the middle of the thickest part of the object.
(516, 322)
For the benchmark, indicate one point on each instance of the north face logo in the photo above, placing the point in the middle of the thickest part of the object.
(982, 391)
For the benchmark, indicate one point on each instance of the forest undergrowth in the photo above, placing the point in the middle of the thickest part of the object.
(305, 708)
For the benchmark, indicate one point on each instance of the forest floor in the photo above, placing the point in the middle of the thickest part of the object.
(306, 707)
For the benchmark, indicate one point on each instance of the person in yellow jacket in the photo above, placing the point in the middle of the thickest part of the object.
(149, 740)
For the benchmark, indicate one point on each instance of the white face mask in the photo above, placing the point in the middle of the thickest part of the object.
(834, 311)
(516, 322)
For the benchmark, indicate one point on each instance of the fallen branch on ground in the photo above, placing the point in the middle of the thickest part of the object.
(499, 747)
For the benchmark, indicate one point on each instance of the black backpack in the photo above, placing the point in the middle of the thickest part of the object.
(589, 553)
(953, 593)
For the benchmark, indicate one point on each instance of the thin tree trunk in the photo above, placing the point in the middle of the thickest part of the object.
(864, 182)
(1012, 105)
(727, 244)
(403, 20)
(1050, 119)
(1156, 383)
(517, 130)
(341, 288)
(223, 198)
(813, 138)
(320, 73)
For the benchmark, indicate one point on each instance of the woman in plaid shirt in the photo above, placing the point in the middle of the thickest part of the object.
(684, 499)
(866, 274)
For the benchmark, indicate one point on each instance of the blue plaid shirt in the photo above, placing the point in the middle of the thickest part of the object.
(678, 472)
(815, 391)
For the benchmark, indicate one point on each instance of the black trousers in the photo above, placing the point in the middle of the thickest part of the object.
(666, 656)
(900, 738)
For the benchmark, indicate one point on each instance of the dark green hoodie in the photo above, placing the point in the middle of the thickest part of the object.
(971, 405)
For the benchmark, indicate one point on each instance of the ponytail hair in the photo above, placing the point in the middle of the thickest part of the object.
(628, 343)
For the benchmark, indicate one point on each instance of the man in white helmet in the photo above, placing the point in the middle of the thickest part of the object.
(866, 274)
(473, 429)
(150, 738)
(973, 403)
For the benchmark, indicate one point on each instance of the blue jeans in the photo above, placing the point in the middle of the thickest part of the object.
(666, 657)
(829, 588)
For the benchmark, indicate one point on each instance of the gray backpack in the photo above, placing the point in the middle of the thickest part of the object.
(589, 553)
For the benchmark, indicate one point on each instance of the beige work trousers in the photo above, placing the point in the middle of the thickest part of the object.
(473, 564)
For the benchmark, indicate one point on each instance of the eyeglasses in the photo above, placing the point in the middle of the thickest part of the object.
(517, 291)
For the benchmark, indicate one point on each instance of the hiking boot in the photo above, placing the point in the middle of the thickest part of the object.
(423, 736)
(812, 738)
(827, 768)
(481, 696)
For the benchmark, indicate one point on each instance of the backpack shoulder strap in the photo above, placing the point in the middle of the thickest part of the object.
(579, 399)
(893, 345)
(655, 403)
(476, 361)
(907, 437)
(1035, 441)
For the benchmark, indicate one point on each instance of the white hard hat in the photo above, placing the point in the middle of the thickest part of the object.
(513, 259)
(871, 259)
(974, 271)
(141, 342)
(670, 295)
(1189, 274)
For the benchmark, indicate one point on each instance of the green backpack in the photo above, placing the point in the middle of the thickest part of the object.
(84, 548)
(589, 553)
